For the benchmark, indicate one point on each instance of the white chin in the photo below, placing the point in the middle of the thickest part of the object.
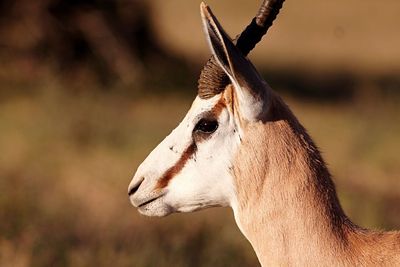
(156, 208)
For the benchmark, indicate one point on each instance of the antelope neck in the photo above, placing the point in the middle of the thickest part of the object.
(286, 201)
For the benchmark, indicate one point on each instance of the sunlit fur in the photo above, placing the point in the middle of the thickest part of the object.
(288, 207)
(262, 163)
(205, 180)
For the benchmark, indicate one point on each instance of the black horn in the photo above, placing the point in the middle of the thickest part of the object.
(212, 79)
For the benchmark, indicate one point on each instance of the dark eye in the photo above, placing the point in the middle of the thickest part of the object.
(206, 126)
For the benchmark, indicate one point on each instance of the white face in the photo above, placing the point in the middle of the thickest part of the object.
(191, 168)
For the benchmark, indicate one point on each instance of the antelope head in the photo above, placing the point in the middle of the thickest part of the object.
(192, 168)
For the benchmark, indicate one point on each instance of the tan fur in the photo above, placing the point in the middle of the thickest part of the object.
(288, 208)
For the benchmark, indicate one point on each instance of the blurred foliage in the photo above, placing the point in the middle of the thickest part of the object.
(133, 44)
(87, 42)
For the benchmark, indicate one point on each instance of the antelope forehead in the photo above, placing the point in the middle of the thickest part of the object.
(200, 105)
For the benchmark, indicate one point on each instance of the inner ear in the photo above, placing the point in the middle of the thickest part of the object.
(218, 47)
(240, 70)
(217, 38)
(250, 88)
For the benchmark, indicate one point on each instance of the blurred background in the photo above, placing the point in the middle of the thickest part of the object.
(88, 88)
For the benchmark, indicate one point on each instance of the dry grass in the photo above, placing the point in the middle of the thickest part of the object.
(67, 160)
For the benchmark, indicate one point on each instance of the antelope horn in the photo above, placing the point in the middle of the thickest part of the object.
(213, 79)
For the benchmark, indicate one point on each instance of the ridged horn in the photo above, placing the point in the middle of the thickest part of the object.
(213, 79)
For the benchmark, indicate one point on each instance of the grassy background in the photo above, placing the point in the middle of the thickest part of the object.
(67, 156)
(66, 162)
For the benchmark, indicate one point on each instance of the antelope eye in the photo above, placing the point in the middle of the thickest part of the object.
(206, 126)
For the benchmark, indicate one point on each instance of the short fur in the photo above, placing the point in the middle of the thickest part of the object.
(262, 163)
(288, 208)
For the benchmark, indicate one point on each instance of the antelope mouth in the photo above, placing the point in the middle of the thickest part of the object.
(149, 201)
(154, 207)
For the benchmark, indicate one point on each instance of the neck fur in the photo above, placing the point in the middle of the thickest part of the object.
(286, 201)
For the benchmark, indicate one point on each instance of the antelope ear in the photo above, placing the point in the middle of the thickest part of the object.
(250, 88)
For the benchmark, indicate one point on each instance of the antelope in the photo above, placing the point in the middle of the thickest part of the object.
(241, 146)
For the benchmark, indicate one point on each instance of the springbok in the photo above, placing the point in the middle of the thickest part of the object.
(240, 146)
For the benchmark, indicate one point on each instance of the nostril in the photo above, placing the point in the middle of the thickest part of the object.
(134, 188)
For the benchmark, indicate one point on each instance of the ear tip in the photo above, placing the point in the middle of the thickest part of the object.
(204, 10)
(203, 6)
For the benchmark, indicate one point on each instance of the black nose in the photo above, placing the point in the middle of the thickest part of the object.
(134, 188)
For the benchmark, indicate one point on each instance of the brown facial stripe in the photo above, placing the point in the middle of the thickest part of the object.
(217, 109)
(188, 153)
(174, 170)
